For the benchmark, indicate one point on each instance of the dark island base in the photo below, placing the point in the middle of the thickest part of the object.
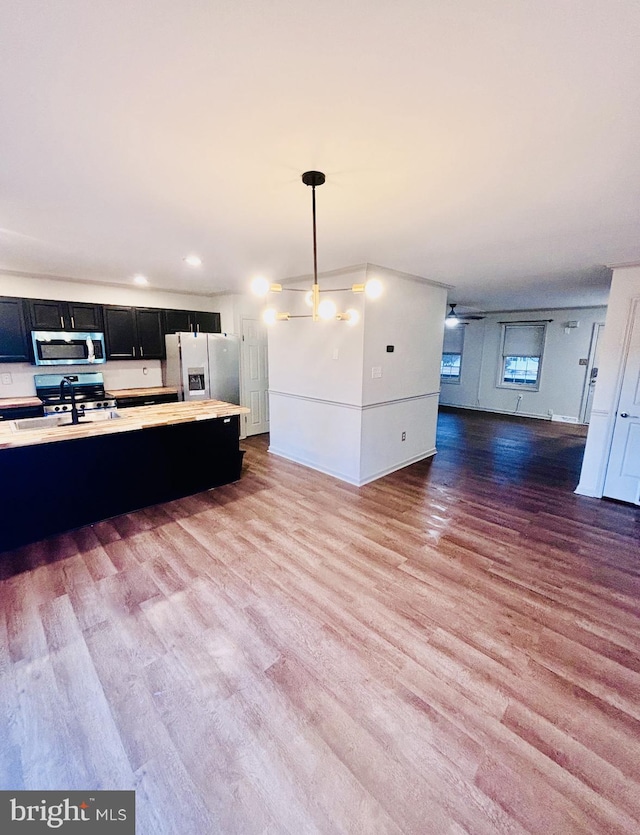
(50, 488)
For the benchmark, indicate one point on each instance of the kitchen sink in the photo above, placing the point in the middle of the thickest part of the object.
(51, 421)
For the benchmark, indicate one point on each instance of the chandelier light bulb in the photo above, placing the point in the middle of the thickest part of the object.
(308, 298)
(260, 286)
(353, 316)
(373, 288)
(269, 316)
(327, 309)
(193, 260)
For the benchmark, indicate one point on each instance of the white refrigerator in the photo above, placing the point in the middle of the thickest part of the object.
(203, 366)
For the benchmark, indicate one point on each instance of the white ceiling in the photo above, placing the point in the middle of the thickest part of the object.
(489, 145)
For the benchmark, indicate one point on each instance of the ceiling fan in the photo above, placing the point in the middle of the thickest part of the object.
(452, 318)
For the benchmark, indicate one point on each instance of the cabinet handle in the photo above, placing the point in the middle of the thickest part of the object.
(62, 322)
(198, 327)
(141, 351)
(133, 350)
(73, 323)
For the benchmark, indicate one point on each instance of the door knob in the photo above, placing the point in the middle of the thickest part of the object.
(626, 414)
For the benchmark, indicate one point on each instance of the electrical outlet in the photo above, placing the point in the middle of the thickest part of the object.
(376, 372)
(6, 378)
(404, 436)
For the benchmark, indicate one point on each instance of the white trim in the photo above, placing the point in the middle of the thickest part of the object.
(360, 408)
(365, 267)
(623, 265)
(596, 333)
(495, 411)
(411, 399)
(407, 463)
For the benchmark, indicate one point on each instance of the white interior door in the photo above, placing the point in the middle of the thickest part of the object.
(623, 470)
(255, 376)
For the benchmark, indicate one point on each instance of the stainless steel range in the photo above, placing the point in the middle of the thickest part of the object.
(88, 392)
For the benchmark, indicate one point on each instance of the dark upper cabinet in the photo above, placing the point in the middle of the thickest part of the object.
(46, 315)
(14, 346)
(150, 333)
(120, 333)
(86, 317)
(191, 320)
(133, 333)
(177, 321)
(206, 322)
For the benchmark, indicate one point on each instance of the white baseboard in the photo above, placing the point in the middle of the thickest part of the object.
(313, 466)
(349, 479)
(495, 411)
(420, 457)
(564, 419)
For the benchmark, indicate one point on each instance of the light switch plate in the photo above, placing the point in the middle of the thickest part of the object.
(376, 372)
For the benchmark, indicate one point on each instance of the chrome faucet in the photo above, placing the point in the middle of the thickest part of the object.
(68, 381)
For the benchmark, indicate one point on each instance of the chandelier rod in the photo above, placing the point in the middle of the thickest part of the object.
(315, 243)
(313, 179)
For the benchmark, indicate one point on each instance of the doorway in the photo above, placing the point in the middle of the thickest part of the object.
(593, 364)
(622, 480)
(255, 376)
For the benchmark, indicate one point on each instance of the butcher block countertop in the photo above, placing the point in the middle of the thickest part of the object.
(129, 420)
(19, 402)
(154, 391)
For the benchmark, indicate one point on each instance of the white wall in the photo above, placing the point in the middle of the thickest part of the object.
(233, 307)
(625, 287)
(79, 291)
(117, 374)
(321, 360)
(562, 380)
(328, 411)
(409, 317)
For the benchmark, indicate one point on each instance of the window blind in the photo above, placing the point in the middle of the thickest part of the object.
(453, 340)
(523, 340)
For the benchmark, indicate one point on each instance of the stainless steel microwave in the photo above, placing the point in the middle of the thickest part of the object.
(74, 348)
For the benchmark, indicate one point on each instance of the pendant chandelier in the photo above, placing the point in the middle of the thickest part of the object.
(320, 309)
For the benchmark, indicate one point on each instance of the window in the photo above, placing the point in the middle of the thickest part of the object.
(451, 364)
(521, 357)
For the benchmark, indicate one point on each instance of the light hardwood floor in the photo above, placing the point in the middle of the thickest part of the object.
(451, 649)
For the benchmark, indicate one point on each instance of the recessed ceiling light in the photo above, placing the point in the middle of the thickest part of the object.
(141, 280)
(193, 260)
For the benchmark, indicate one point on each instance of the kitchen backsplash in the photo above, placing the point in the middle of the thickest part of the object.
(122, 374)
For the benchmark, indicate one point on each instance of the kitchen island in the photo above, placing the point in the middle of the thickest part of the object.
(56, 478)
